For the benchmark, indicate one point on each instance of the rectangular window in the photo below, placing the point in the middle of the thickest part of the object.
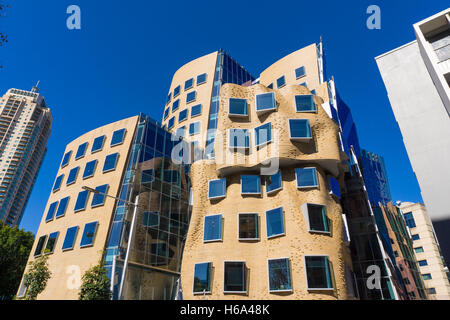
(99, 198)
(194, 128)
(202, 278)
(81, 151)
(51, 243)
(273, 182)
(263, 134)
(188, 84)
(237, 107)
(316, 217)
(423, 263)
(72, 176)
(58, 183)
(191, 96)
(171, 123)
(281, 82)
(166, 113)
(299, 129)
(409, 220)
(238, 138)
(97, 145)
(181, 131)
(415, 237)
(196, 110)
(118, 137)
(66, 159)
(51, 211)
(427, 276)
(151, 219)
(250, 184)
(334, 187)
(62, 207)
(418, 249)
(90, 229)
(201, 78)
(432, 291)
(169, 97)
(217, 188)
(279, 275)
(265, 102)
(176, 91)
(110, 162)
(248, 226)
(306, 177)
(300, 72)
(212, 228)
(175, 105)
(318, 273)
(81, 200)
(183, 115)
(305, 103)
(274, 222)
(89, 169)
(235, 277)
(40, 246)
(69, 240)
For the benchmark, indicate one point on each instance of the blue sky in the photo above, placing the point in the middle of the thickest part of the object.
(121, 62)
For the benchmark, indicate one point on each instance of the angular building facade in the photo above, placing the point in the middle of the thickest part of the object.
(25, 126)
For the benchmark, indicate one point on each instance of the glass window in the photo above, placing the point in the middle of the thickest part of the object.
(69, 240)
(265, 102)
(183, 115)
(171, 123)
(306, 177)
(316, 217)
(176, 105)
(72, 175)
(81, 151)
(263, 134)
(188, 84)
(281, 82)
(238, 107)
(66, 159)
(201, 78)
(250, 184)
(304, 84)
(235, 277)
(176, 91)
(117, 137)
(427, 276)
(409, 220)
(273, 182)
(299, 129)
(212, 228)
(166, 113)
(318, 273)
(110, 162)
(334, 187)
(202, 277)
(305, 103)
(89, 232)
(275, 223)
(300, 72)
(40, 246)
(279, 275)
(194, 128)
(51, 242)
(151, 219)
(196, 110)
(97, 145)
(423, 263)
(58, 183)
(181, 131)
(270, 86)
(313, 92)
(81, 200)
(248, 226)
(217, 188)
(51, 211)
(62, 207)
(239, 138)
(418, 249)
(99, 198)
(415, 237)
(432, 291)
(191, 96)
(89, 169)
(169, 97)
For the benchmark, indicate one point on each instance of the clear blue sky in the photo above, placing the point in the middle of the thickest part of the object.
(121, 62)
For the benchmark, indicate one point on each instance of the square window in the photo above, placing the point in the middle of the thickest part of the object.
(191, 96)
(306, 177)
(263, 134)
(118, 137)
(62, 207)
(202, 278)
(238, 138)
(279, 275)
(418, 249)
(66, 159)
(212, 228)
(300, 72)
(90, 229)
(175, 105)
(217, 189)
(99, 198)
(176, 91)
(69, 240)
(248, 226)
(194, 128)
(97, 145)
(237, 107)
(299, 129)
(51, 243)
(415, 237)
(316, 218)
(72, 176)
(166, 113)
(305, 103)
(250, 184)
(281, 82)
(40, 246)
(169, 97)
(81, 200)
(181, 132)
(318, 273)
(409, 220)
(81, 151)
(423, 263)
(89, 169)
(58, 183)
(171, 123)
(51, 211)
(201, 78)
(151, 219)
(182, 115)
(275, 223)
(235, 277)
(110, 162)
(196, 110)
(427, 276)
(265, 102)
(188, 84)
(273, 182)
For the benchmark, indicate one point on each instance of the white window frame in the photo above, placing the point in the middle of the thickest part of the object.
(266, 142)
(210, 279)
(237, 147)
(295, 104)
(302, 139)
(307, 187)
(237, 115)
(217, 197)
(268, 276)
(265, 110)
(252, 193)
(284, 224)
(305, 212)
(281, 184)
(221, 231)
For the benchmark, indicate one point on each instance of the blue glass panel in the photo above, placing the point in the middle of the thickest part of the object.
(191, 96)
(423, 263)
(194, 128)
(196, 110)
(306, 177)
(188, 84)
(263, 134)
(66, 159)
(117, 137)
(250, 184)
(281, 81)
(217, 188)
(239, 138)
(40, 245)
(409, 219)
(305, 103)
(51, 211)
(72, 175)
(97, 145)
(201, 78)
(279, 275)
(81, 200)
(273, 182)
(89, 169)
(176, 91)
(99, 198)
(171, 123)
(62, 207)
(300, 72)
(81, 151)
(265, 101)
(175, 105)
(89, 232)
(270, 86)
(415, 237)
(202, 277)
(110, 162)
(299, 129)
(213, 228)
(51, 242)
(183, 115)
(58, 182)
(334, 186)
(238, 107)
(275, 223)
(166, 113)
(69, 240)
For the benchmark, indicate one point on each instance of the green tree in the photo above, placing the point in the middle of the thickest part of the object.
(36, 277)
(15, 247)
(95, 284)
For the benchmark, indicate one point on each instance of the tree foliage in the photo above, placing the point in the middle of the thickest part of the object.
(37, 277)
(15, 247)
(95, 284)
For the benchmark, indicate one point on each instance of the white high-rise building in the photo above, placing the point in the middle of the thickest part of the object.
(25, 125)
